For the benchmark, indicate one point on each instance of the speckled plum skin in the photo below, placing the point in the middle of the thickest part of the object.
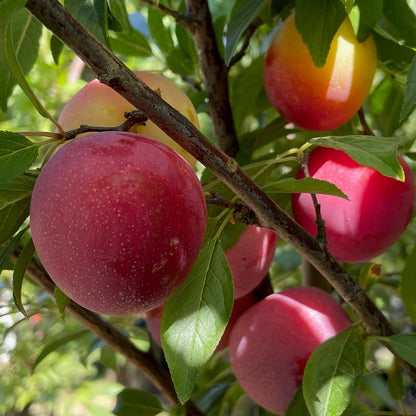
(250, 258)
(96, 104)
(376, 214)
(318, 98)
(272, 341)
(117, 220)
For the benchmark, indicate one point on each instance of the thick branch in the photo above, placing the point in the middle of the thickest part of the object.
(114, 73)
(215, 74)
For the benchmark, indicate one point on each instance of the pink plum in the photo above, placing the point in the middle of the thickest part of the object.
(272, 341)
(377, 212)
(117, 220)
(250, 258)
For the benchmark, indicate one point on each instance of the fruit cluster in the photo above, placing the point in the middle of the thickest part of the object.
(118, 218)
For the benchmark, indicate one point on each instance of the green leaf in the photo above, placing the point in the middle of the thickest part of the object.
(297, 405)
(130, 44)
(56, 48)
(132, 402)
(160, 33)
(379, 153)
(7, 249)
(317, 22)
(399, 22)
(19, 45)
(404, 345)
(90, 16)
(409, 101)
(19, 274)
(367, 13)
(244, 12)
(395, 381)
(17, 153)
(305, 185)
(333, 372)
(408, 285)
(179, 62)
(61, 300)
(195, 317)
(57, 343)
(14, 206)
(119, 13)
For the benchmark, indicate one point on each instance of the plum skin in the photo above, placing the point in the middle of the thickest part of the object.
(318, 98)
(376, 214)
(250, 258)
(117, 220)
(96, 104)
(272, 341)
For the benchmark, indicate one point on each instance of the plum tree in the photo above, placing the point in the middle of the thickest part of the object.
(153, 319)
(100, 226)
(272, 341)
(250, 258)
(371, 220)
(312, 97)
(96, 104)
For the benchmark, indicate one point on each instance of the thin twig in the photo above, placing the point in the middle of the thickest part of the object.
(366, 128)
(179, 17)
(250, 32)
(319, 221)
(242, 213)
(133, 118)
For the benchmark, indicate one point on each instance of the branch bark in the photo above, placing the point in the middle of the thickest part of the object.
(215, 74)
(146, 362)
(114, 73)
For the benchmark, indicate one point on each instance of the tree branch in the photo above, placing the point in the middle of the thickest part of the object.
(114, 73)
(146, 362)
(215, 74)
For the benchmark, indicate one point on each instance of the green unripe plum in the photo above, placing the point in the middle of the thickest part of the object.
(272, 341)
(117, 220)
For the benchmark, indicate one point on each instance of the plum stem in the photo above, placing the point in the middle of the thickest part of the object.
(134, 118)
(319, 221)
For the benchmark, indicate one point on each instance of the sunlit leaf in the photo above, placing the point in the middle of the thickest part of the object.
(379, 153)
(17, 153)
(195, 317)
(333, 372)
